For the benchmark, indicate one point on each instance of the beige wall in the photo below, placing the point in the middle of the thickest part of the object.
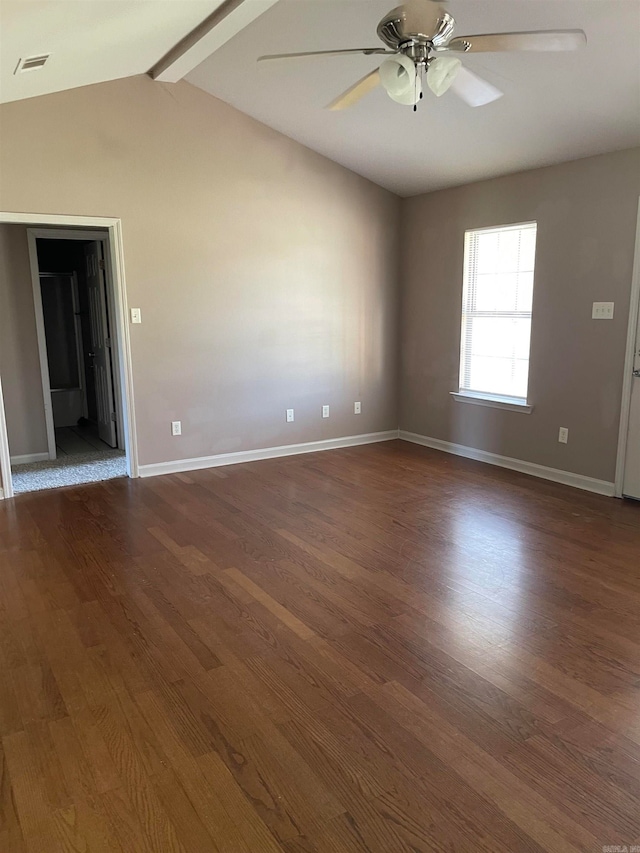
(586, 213)
(265, 273)
(19, 360)
(267, 279)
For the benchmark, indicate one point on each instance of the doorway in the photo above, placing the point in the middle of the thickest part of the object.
(79, 311)
(70, 295)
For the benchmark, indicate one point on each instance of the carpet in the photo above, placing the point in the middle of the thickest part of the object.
(69, 471)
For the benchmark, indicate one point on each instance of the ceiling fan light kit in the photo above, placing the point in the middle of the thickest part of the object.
(442, 72)
(419, 41)
(397, 74)
(400, 80)
(409, 97)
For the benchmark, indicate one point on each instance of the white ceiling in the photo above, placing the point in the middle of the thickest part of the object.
(90, 41)
(556, 106)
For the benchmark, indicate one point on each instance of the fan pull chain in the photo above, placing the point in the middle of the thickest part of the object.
(415, 89)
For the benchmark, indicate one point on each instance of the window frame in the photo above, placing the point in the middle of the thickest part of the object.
(485, 398)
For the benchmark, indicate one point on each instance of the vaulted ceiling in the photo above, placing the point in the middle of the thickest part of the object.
(556, 106)
(89, 41)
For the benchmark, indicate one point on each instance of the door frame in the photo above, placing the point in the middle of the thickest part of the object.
(6, 488)
(632, 333)
(111, 233)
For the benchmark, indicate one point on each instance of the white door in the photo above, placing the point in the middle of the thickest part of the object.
(631, 487)
(100, 343)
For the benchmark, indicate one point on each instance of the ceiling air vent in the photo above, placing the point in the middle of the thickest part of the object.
(32, 63)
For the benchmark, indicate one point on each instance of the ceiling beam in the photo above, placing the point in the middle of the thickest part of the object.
(223, 24)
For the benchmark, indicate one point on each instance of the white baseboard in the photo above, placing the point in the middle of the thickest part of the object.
(567, 478)
(178, 466)
(29, 457)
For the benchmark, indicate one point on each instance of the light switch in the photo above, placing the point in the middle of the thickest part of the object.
(136, 315)
(602, 311)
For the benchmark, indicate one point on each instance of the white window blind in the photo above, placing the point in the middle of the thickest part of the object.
(496, 311)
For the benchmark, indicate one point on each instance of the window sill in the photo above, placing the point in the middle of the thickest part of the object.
(492, 402)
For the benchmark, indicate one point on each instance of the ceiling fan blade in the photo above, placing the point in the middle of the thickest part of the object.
(367, 51)
(543, 40)
(473, 90)
(358, 90)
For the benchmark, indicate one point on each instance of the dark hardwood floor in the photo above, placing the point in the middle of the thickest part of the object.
(382, 649)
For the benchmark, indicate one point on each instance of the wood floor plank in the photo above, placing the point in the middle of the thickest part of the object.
(189, 827)
(218, 801)
(381, 649)
(29, 791)
(542, 819)
(136, 762)
(339, 835)
(9, 819)
(271, 604)
(219, 827)
(251, 827)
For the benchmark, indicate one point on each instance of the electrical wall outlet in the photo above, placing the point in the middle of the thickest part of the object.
(602, 311)
(325, 411)
(290, 417)
(563, 435)
(176, 427)
(136, 315)
(357, 408)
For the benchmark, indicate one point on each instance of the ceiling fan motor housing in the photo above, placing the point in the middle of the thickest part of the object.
(406, 36)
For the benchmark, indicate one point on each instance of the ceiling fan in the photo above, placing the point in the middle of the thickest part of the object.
(420, 43)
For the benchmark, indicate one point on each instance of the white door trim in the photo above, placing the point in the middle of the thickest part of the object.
(6, 485)
(634, 312)
(112, 231)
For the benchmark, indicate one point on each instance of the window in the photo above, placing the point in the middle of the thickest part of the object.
(496, 312)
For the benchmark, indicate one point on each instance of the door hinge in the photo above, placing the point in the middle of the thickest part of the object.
(101, 264)
(113, 416)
